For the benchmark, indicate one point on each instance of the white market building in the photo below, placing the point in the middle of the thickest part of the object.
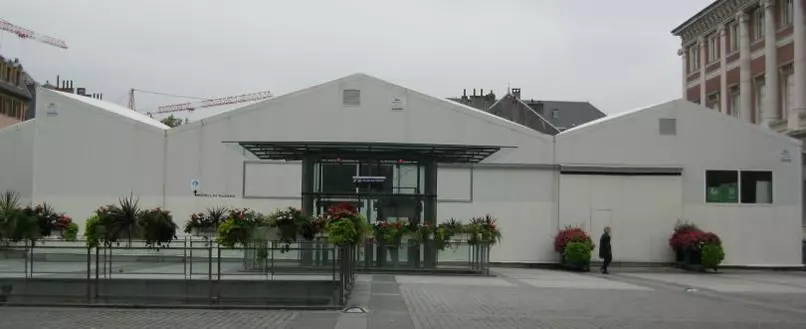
(638, 172)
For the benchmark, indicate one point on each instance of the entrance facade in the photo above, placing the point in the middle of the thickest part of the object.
(386, 182)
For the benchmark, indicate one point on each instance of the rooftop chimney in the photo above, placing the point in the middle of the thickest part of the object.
(516, 92)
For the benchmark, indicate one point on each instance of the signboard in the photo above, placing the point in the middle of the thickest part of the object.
(51, 110)
(368, 179)
(785, 156)
(398, 103)
(195, 184)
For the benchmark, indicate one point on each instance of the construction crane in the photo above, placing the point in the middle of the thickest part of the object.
(24, 33)
(200, 103)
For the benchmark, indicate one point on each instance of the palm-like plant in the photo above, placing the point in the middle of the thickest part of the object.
(124, 218)
(217, 214)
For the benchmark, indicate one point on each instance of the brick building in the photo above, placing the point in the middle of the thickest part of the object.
(747, 58)
(15, 96)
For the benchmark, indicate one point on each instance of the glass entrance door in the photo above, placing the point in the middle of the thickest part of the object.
(394, 196)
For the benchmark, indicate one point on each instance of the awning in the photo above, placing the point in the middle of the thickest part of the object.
(295, 151)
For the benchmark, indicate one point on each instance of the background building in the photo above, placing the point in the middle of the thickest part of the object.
(15, 97)
(747, 59)
(639, 172)
(548, 117)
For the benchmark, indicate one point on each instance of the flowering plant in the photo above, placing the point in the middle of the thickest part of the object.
(688, 236)
(209, 219)
(391, 233)
(570, 234)
(344, 224)
(484, 228)
(289, 222)
(238, 226)
(158, 226)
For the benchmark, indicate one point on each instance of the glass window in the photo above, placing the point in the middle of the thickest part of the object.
(694, 58)
(758, 31)
(734, 37)
(735, 102)
(789, 94)
(338, 178)
(756, 187)
(713, 101)
(787, 11)
(721, 186)
(761, 94)
(713, 49)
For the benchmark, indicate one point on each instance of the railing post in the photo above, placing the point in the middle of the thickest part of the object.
(89, 271)
(210, 262)
(97, 268)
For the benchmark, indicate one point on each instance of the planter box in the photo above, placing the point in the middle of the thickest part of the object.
(265, 233)
(691, 260)
(577, 266)
(204, 232)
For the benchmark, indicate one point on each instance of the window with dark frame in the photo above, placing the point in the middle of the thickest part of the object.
(756, 187)
(739, 186)
(721, 186)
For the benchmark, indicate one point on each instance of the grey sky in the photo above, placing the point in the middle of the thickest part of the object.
(617, 54)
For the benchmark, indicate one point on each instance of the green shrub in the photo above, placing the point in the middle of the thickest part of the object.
(93, 231)
(578, 252)
(712, 255)
(71, 232)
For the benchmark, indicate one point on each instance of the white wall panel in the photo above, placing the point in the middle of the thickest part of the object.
(454, 184)
(641, 210)
(273, 180)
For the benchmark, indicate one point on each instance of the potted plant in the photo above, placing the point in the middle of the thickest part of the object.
(483, 230)
(205, 224)
(289, 223)
(696, 249)
(577, 255)
(570, 241)
(158, 227)
(16, 224)
(241, 226)
(345, 226)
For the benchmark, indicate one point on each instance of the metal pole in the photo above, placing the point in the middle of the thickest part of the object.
(97, 268)
(25, 256)
(185, 258)
(210, 262)
(33, 244)
(219, 264)
(89, 270)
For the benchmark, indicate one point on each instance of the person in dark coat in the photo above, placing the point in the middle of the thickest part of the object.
(605, 251)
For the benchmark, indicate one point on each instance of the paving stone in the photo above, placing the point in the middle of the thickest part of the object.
(718, 282)
(448, 280)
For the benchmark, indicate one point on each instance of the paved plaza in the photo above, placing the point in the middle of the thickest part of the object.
(514, 298)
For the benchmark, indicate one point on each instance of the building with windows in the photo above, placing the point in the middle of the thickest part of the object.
(15, 96)
(747, 59)
(639, 172)
(548, 117)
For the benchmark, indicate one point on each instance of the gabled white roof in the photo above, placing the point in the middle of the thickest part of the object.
(678, 103)
(116, 109)
(610, 117)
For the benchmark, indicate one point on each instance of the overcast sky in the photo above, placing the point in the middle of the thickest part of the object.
(617, 54)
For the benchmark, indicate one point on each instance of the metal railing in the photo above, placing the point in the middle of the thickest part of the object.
(202, 268)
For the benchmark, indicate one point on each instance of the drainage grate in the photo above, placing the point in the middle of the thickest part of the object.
(355, 309)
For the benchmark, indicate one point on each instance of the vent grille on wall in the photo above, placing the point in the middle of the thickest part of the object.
(351, 97)
(667, 126)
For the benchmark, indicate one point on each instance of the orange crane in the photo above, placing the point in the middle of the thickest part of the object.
(24, 33)
(201, 103)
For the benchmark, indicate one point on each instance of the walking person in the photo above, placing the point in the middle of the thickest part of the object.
(605, 251)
